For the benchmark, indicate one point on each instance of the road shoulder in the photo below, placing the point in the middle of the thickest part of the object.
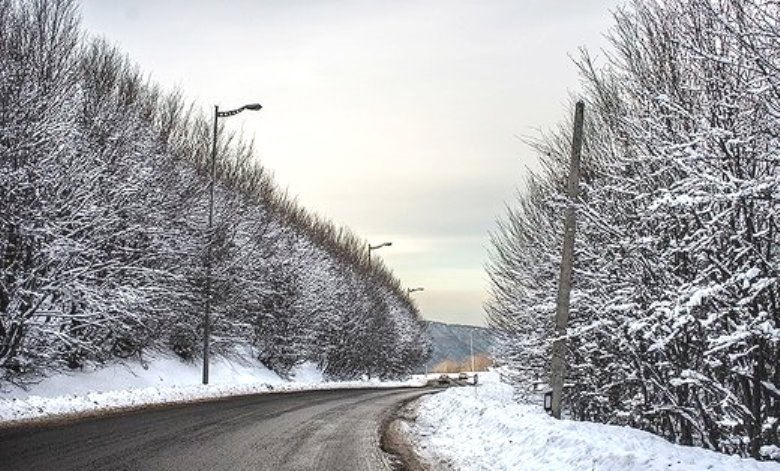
(397, 439)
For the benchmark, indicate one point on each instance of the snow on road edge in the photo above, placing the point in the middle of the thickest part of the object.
(160, 381)
(484, 429)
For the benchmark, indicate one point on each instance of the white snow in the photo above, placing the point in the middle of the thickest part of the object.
(307, 373)
(701, 294)
(159, 381)
(161, 372)
(484, 429)
(771, 451)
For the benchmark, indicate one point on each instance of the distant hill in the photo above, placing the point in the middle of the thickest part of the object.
(451, 342)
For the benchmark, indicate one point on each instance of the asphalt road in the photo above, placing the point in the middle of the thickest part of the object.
(315, 430)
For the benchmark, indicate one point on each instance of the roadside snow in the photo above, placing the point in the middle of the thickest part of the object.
(162, 380)
(484, 429)
(307, 373)
(166, 371)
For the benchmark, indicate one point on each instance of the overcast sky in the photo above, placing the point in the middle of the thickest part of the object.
(399, 119)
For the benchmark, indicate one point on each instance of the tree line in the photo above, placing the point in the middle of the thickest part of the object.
(103, 227)
(675, 323)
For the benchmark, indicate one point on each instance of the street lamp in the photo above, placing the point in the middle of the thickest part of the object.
(376, 247)
(207, 315)
(413, 290)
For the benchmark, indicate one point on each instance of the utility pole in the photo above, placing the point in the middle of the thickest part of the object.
(557, 364)
(471, 347)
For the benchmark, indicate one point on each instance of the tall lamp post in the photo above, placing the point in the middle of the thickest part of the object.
(376, 247)
(413, 290)
(207, 314)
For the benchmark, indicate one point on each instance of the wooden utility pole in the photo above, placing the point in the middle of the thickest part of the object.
(471, 348)
(564, 284)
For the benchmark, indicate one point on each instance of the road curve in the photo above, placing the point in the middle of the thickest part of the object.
(314, 430)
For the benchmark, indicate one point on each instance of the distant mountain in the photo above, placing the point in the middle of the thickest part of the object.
(451, 342)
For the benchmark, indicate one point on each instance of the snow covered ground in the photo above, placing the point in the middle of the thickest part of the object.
(159, 381)
(484, 429)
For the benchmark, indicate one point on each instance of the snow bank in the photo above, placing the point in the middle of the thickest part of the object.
(162, 380)
(484, 429)
(161, 372)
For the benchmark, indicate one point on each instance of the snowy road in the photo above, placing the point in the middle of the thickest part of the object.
(295, 431)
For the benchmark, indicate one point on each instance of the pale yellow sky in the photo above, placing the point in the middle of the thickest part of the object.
(399, 119)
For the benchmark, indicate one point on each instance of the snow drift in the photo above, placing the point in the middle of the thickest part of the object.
(484, 429)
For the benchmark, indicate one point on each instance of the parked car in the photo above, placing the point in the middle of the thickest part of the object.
(463, 376)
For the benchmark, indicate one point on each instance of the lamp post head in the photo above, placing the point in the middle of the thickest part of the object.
(225, 114)
(383, 244)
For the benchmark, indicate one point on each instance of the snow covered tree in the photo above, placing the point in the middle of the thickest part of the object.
(103, 238)
(675, 325)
